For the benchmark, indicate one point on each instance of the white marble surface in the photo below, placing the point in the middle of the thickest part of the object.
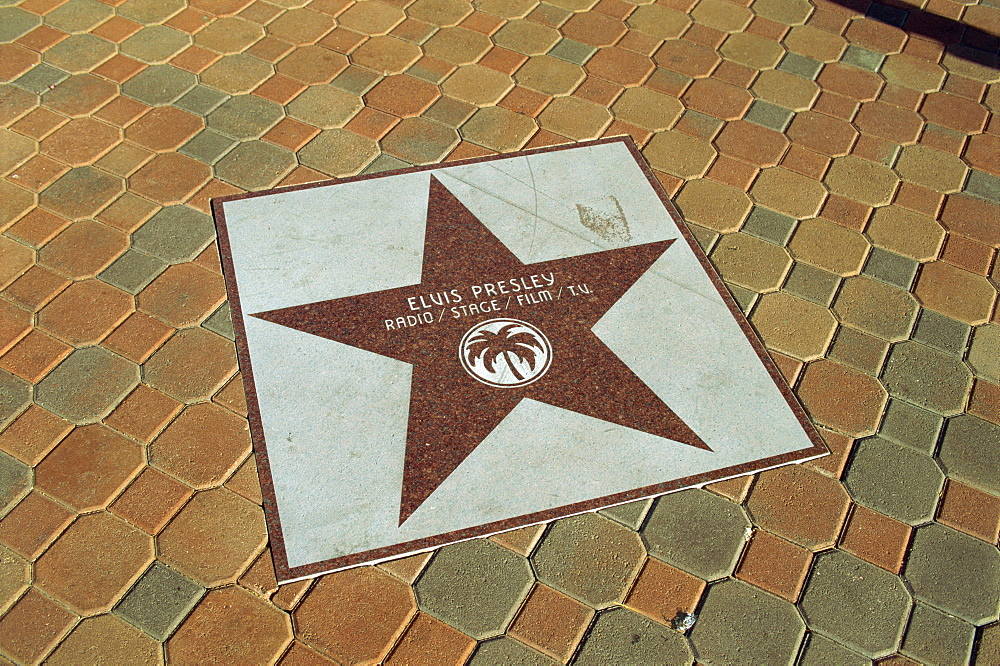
(335, 416)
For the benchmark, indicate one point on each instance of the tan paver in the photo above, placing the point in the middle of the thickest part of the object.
(793, 326)
(862, 180)
(829, 246)
(751, 262)
(788, 192)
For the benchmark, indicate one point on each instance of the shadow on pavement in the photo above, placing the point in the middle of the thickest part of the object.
(959, 39)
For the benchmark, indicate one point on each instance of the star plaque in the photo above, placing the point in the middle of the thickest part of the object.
(447, 352)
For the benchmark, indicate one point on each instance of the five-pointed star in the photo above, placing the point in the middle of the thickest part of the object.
(450, 411)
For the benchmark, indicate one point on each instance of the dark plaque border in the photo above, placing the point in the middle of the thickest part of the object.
(285, 573)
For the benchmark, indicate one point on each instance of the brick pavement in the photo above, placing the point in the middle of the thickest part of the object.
(842, 172)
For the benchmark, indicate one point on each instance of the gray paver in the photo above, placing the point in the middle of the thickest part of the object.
(876, 308)
(78, 15)
(927, 377)
(858, 349)
(15, 394)
(338, 152)
(856, 603)
(983, 185)
(943, 332)
(739, 623)
(132, 271)
(150, 11)
(811, 283)
(451, 112)
(769, 115)
(325, 106)
(159, 85)
(201, 100)
(435, 142)
(221, 322)
(245, 117)
(589, 557)
(40, 78)
(895, 16)
(706, 237)
(625, 638)
(800, 65)
(505, 651)
(255, 165)
(357, 80)
(15, 22)
(629, 514)
(821, 651)
(984, 352)
(769, 225)
(698, 532)
(572, 51)
(955, 572)
(15, 479)
(937, 638)
(970, 452)
(208, 146)
(79, 53)
(744, 297)
(175, 234)
(910, 425)
(155, 44)
(159, 600)
(895, 480)
(81, 192)
(863, 58)
(706, 125)
(385, 163)
(891, 268)
(87, 385)
(475, 586)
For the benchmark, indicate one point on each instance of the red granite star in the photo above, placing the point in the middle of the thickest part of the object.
(451, 411)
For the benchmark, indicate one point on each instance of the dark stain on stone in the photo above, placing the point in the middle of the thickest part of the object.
(610, 223)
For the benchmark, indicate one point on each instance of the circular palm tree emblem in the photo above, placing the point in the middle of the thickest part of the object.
(505, 352)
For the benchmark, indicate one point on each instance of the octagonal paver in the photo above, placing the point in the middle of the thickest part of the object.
(938, 638)
(87, 385)
(88, 584)
(372, 610)
(231, 624)
(475, 586)
(589, 557)
(844, 589)
(175, 234)
(955, 572)
(739, 623)
(698, 532)
(970, 452)
(622, 636)
(895, 480)
(927, 377)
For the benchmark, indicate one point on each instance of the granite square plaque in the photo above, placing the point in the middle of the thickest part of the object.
(451, 351)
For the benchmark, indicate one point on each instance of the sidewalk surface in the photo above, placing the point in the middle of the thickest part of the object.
(838, 163)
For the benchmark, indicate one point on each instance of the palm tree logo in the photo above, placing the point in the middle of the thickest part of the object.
(506, 353)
